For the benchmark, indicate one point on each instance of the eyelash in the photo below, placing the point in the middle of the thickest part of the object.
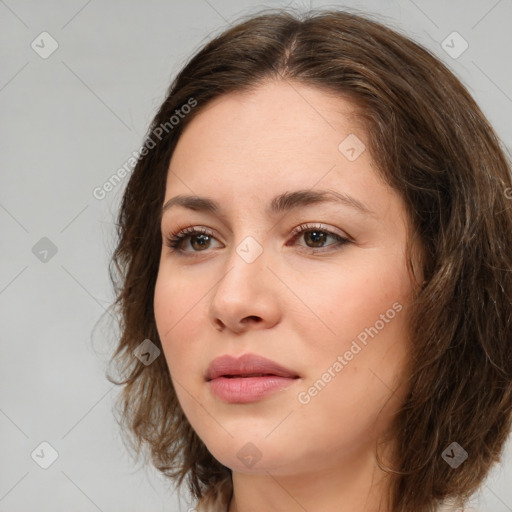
(174, 240)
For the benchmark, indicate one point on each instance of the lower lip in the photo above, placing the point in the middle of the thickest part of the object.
(248, 389)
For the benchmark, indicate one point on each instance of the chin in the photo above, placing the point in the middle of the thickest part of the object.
(256, 456)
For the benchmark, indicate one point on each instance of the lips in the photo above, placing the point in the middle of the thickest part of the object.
(248, 365)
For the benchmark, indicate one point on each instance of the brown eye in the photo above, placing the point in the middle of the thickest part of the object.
(200, 242)
(316, 237)
(190, 240)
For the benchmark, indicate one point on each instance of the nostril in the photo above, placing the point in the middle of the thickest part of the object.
(219, 325)
(252, 318)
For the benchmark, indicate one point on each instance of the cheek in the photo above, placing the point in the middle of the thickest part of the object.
(176, 308)
(366, 319)
(352, 299)
(177, 304)
(352, 374)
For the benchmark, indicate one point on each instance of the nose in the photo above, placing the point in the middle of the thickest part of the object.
(247, 295)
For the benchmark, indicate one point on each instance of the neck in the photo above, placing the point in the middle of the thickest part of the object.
(355, 487)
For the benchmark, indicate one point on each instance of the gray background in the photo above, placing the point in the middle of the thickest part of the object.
(70, 121)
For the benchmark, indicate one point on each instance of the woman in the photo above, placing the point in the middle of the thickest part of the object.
(317, 240)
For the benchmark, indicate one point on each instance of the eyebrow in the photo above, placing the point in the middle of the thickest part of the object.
(279, 204)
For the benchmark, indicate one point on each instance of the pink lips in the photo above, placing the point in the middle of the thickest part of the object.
(248, 378)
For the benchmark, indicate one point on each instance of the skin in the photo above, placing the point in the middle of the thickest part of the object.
(297, 307)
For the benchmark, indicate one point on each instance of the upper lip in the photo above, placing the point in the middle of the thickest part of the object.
(246, 365)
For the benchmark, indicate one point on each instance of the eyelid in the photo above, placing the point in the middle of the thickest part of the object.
(311, 226)
(176, 238)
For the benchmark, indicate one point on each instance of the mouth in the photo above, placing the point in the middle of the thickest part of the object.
(246, 375)
(243, 389)
(248, 365)
(248, 378)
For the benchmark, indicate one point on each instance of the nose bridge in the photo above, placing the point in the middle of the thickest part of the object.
(245, 288)
(246, 263)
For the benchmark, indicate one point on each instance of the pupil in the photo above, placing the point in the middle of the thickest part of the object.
(202, 241)
(318, 237)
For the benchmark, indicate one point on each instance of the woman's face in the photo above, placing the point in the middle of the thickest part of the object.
(273, 277)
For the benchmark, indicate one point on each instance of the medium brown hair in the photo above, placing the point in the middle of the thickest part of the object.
(431, 143)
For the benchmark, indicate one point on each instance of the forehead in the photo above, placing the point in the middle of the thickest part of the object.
(278, 137)
(276, 115)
